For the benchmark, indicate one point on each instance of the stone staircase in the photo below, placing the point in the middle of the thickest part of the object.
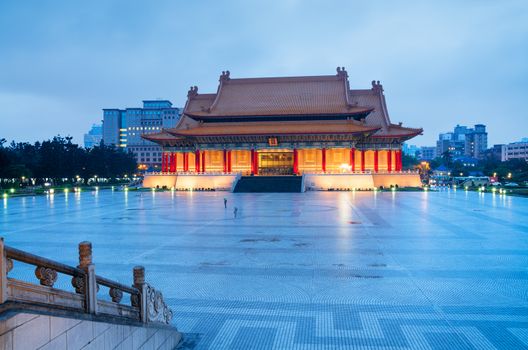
(269, 184)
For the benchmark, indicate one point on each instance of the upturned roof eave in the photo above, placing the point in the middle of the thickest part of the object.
(278, 133)
(365, 110)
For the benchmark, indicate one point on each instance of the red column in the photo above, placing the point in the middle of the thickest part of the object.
(353, 159)
(399, 163)
(389, 161)
(256, 162)
(229, 167)
(323, 156)
(203, 161)
(362, 160)
(225, 160)
(252, 160)
(197, 161)
(175, 162)
(295, 161)
(171, 162)
(164, 162)
(376, 161)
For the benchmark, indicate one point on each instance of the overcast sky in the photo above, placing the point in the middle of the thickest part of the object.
(441, 63)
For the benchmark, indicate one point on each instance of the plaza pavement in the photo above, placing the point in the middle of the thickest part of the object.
(315, 270)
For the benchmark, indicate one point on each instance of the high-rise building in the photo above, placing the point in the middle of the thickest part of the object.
(411, 150)
(124, 127)
(94, 136)
(515, 150)
(463, 141)
(428, 153)
(476, 142)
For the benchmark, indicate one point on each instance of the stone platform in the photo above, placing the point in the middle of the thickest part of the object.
(311, 181)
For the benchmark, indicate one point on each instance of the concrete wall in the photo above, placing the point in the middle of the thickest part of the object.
(337, 181)
(402, 180)
(190, 181)
(168, 181)
(26, 331)
(359, 181)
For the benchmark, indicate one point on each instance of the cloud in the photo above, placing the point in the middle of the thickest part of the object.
(441, 63)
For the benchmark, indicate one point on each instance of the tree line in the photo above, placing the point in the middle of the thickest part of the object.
(59, 158)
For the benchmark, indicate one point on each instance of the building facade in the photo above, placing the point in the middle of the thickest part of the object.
(284, 126)
(463, 141)
(516, 150)
(94, 136)
(428, 153)
(124, 127)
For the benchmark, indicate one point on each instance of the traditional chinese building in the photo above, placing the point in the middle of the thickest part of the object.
(284, 126)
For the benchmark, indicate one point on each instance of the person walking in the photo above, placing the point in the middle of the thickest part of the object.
(225, 202)
(235, 211)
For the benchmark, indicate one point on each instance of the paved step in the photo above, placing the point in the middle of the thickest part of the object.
(269, 184)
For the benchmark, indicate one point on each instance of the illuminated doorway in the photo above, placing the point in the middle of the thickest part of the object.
(275, 163)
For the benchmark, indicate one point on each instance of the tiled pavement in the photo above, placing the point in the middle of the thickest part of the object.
(319, 270)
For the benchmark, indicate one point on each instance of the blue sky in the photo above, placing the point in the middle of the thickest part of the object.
(441, 63)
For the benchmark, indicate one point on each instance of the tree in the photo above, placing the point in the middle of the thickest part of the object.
(60, 158)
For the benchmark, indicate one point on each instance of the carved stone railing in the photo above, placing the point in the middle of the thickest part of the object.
(146, 303)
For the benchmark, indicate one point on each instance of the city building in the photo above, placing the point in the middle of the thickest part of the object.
(476, 142)
(515, 150)
(285, 126)
(94, 136)
(427, 153)
(463, 141)
(124, 127)
(411, 150)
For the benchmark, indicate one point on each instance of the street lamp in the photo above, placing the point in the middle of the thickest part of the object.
(509, 175)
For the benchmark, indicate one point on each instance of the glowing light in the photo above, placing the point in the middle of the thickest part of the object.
(126, 189)
(5, 195)
(96, 188)
(393, 189)
(466, 188)
(12, 190)
(51, 191)
(344, 167)
(65, 190)
(112, 188)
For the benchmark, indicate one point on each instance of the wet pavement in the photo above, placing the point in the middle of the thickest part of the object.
(315, 270)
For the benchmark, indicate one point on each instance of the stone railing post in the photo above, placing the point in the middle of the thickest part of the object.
(139, 283)
(85, 263)
(3, 273)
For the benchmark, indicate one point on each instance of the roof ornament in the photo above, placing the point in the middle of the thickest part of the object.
(342, 72)
(193, 91)
(376, 86)
(225, 76)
